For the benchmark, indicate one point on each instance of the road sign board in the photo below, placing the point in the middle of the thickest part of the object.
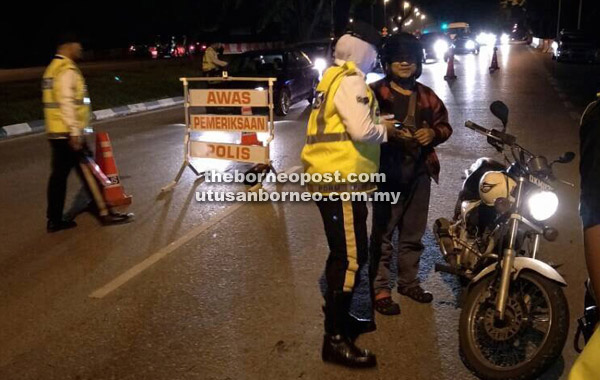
(228, 98)
(240, 153)
(229, 123)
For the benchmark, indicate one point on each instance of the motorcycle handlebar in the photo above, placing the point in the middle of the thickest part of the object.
(476, 127)
(494, 134)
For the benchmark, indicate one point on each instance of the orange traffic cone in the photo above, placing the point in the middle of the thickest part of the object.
(494, 66)
(249, 138)
(450, 69)
(114, 194)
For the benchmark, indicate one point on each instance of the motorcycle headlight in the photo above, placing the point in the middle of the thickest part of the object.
(542, 205)
(470, 45)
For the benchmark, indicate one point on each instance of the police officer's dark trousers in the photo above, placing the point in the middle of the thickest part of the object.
(64, 159)
(346, 229)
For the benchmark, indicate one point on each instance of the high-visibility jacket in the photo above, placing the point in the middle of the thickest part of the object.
(587, 365)
(51, 93)
(329, 148)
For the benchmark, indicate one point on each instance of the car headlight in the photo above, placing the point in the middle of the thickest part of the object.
(504, 39)
(542, 205)
(554, 46)
(482, 38)
(320, 65)
(470, 45)
(440, 47)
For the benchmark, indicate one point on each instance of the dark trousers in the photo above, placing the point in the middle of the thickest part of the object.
(346, 229)
(64, 159)
(409, 217)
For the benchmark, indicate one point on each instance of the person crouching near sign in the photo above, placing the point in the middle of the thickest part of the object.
(343, 136)
(408, 167)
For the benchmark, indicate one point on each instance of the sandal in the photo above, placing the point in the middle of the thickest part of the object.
(417, 293)
(387, 306)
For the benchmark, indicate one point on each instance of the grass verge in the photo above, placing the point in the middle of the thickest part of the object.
(152, 80)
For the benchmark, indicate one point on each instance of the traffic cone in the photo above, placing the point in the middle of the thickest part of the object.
(114, 194)
(249, 138)
(494, 66)
(450, 69)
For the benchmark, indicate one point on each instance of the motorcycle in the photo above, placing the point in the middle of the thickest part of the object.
(515, 317)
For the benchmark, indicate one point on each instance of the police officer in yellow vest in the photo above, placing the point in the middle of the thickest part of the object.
(343, 138)
(67, 113)
(211, 64)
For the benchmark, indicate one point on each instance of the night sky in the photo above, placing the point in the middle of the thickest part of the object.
(31, 28)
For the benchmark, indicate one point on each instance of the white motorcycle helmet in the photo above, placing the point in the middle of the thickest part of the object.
(494, 185)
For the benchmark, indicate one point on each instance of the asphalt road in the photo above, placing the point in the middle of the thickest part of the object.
(230, 291)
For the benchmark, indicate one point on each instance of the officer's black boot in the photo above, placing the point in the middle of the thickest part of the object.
(338, 345)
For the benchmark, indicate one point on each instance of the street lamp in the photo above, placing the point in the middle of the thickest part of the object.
(406, 5)
(423, 17)
(384, 12)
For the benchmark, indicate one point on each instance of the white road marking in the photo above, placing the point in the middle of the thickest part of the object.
(173, 246)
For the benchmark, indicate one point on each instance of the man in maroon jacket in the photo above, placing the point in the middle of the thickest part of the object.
(409, 167)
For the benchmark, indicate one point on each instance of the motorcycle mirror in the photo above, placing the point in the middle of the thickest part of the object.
(566, 158)
(500, 110)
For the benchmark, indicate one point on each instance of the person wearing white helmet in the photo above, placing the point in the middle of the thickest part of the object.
(343, 136)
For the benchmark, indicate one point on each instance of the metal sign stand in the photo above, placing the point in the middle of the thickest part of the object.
(189, 129)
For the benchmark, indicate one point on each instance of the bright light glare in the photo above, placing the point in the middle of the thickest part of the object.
(543, 205)
(259, 88)
(470, 45)
(486, 39)
(441, 48)
(423, 17)
(504, 39)
(320, 65)
(554, 46)
(406, 5)
(373, 77)
(395, 29)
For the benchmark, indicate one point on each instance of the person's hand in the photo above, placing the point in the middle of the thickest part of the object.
(76, 143)
(397, 134)
(425, 135)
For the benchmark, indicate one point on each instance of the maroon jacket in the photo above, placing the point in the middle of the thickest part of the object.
(431, 109)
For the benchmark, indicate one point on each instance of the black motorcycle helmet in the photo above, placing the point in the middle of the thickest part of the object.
(399, 47)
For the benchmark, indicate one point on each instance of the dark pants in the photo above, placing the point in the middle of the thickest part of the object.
(346, 229)
(409, 217)
(64, 159)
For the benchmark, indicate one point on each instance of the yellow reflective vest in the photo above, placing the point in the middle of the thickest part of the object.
(55, 124)
(587, 365)
(329, 148)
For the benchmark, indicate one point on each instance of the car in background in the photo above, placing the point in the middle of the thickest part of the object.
(465, 45)
(319, 52)
(435, 46)
(296, 76)
(575, 46)
(457, 29)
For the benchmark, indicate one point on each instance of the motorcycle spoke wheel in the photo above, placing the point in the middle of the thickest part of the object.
(506, 344)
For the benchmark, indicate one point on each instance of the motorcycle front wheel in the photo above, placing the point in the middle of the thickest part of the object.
(529, 339)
